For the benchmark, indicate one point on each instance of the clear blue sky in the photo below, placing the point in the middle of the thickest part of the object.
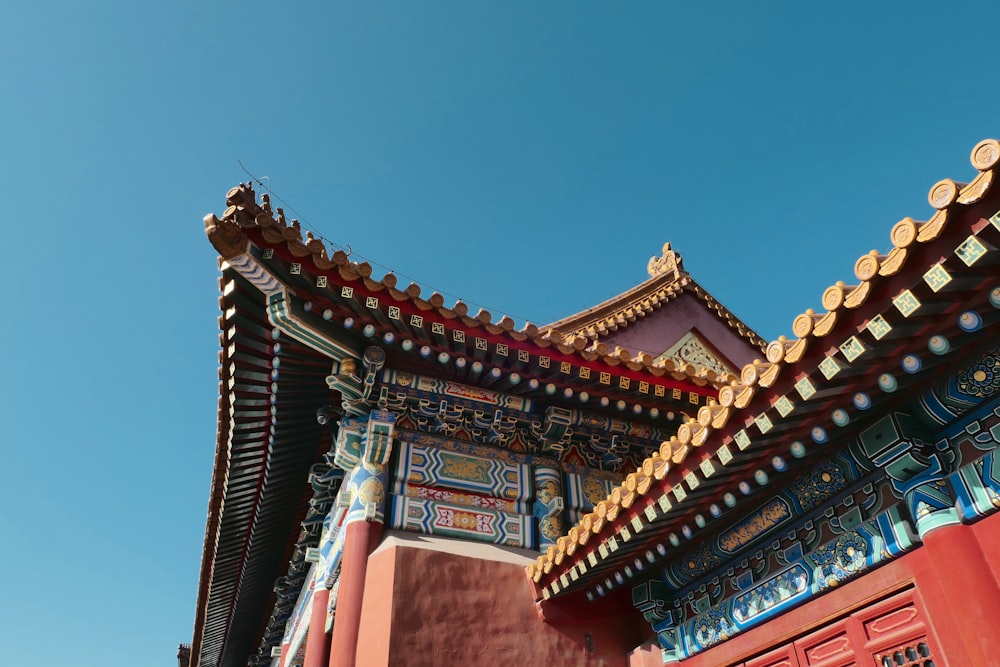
(529, 157)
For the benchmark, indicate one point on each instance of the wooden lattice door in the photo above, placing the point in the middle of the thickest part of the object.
(889, 633)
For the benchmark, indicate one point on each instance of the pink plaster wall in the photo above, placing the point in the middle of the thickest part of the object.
(434, 608)
(664, 327)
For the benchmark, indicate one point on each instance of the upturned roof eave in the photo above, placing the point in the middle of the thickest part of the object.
(714, 429)
(654, 293)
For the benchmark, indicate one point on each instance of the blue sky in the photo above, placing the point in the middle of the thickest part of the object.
(527, 157)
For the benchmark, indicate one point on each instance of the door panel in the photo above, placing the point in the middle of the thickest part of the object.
(830, 647)
(888, 633)
(781, 657)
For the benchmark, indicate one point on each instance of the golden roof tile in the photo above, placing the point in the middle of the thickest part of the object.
(227, 234)
(784, 352)
(667, 280)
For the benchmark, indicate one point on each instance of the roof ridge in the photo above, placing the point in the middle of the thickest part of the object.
(734, 399)
(667, 278)
(243, 212)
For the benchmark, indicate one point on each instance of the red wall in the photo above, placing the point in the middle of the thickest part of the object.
(435, 608)
(426, 603)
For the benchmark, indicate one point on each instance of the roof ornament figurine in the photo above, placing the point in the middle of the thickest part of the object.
(669, 262)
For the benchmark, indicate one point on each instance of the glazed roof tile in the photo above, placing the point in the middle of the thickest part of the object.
(254, 509)
(667, 280)
(245, 216)
(872, 314)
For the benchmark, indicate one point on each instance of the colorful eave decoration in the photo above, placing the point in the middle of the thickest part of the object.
(425, 334)
(935, 290)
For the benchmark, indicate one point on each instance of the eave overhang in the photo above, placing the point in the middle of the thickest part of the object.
(426, 334)
(269, 391)
(907, 303)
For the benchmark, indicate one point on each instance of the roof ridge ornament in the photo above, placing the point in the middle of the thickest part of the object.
(669, 262)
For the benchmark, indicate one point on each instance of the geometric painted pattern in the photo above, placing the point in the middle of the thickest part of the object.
(437, 518)
(977, 487)
(467, 499)
(476, 473)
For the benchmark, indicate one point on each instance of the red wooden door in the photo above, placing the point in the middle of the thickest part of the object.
(895, 633)
(889, 633)
(833, 646)
(782, 657)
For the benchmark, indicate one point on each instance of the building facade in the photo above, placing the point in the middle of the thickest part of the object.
(400, 481)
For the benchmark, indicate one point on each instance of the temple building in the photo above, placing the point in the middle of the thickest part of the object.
(399, 481)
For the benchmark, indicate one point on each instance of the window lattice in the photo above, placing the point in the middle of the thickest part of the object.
(914, 653)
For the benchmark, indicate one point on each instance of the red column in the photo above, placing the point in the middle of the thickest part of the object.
(968, 587)
(359, 541)
(316, 641)
(283, 661)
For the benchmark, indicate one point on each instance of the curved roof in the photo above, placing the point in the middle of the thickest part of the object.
(667, 280)
(342, 281)
(932, 268)
(259, 493)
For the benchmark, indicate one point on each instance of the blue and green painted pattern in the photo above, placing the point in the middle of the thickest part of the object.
(831, 564)
(806, 492)
(473, 470)
(585, 489)
(548, 508)
(472, 523)
(977, 487)
(285, 313)
(367, 494)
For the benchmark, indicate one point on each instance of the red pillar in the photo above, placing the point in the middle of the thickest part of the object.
(316, 641)
(968, 587)
(359, 541)
(283, 661)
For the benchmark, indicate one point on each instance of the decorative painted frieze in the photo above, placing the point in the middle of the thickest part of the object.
(584, 490)
(772, 514)
(432, 389)
(490, 417)
(830, 564)
(473, 470)
(460, 498)
(548, 506)
(438, 518)
(804, 494)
